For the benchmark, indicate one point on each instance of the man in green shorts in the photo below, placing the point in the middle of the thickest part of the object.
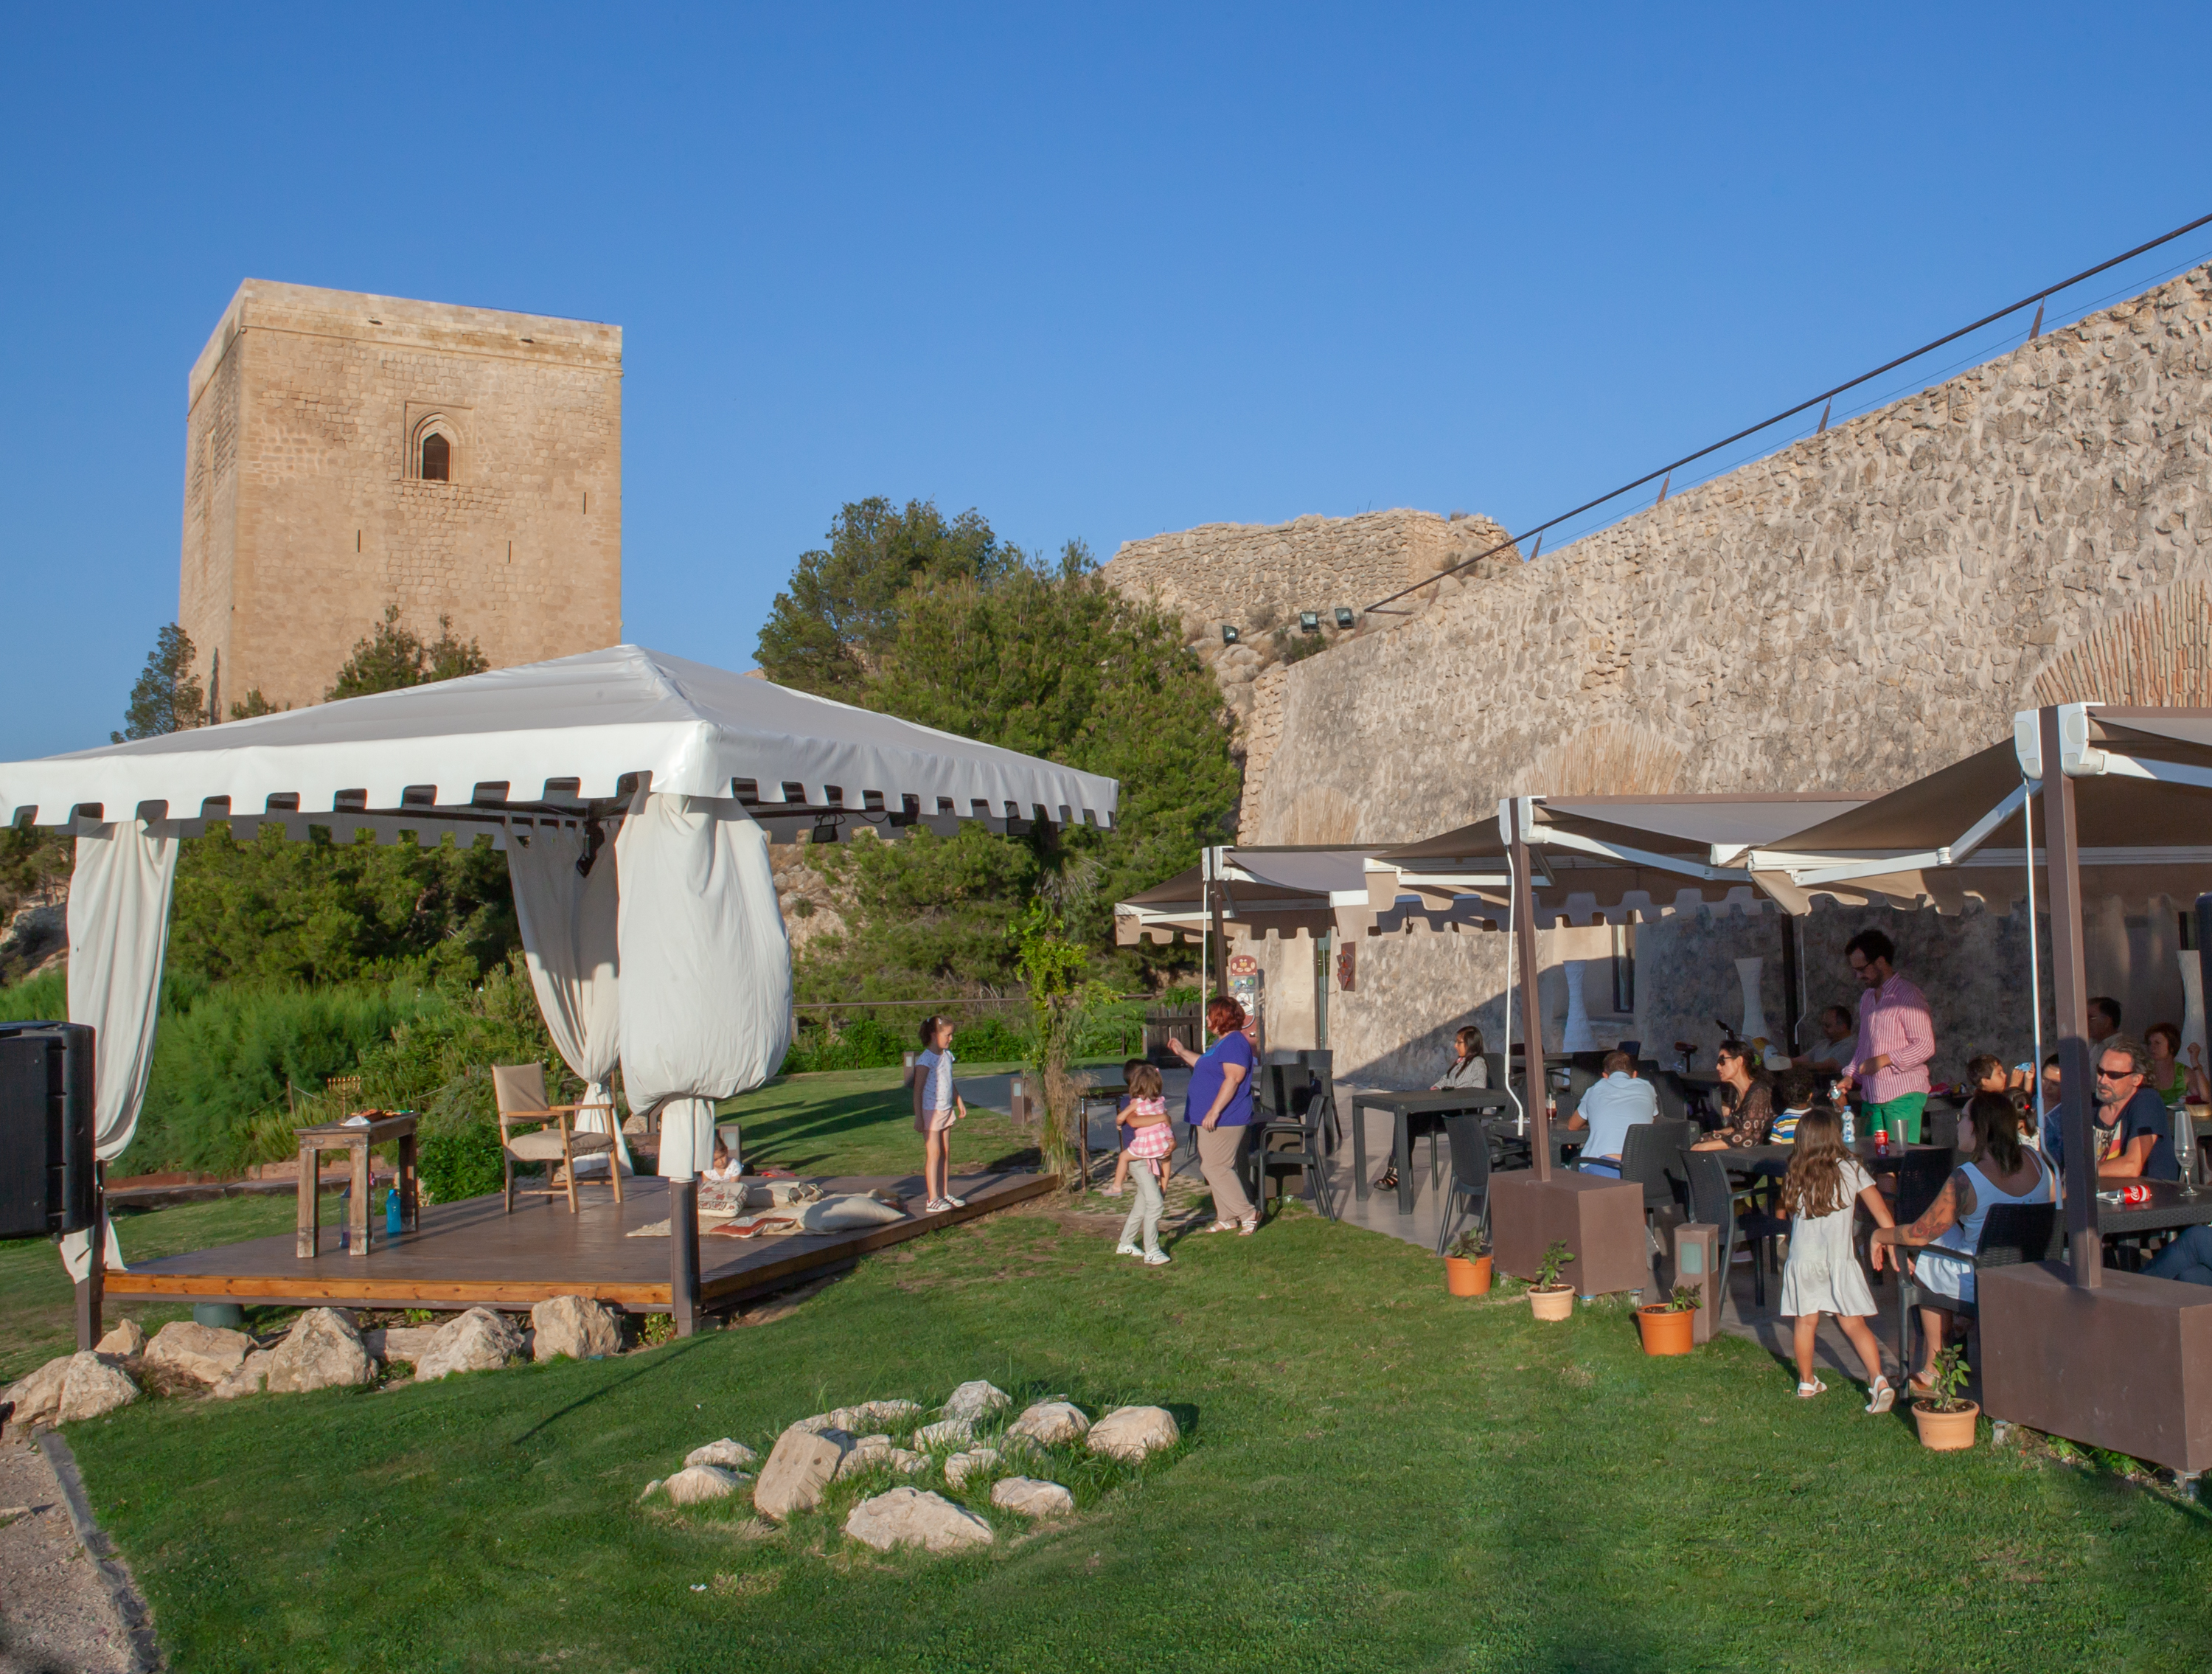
(1889, 1069)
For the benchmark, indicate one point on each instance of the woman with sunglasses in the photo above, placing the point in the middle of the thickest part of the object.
(1746, 1100)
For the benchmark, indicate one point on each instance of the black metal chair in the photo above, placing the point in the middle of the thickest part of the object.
(1293, 1136)
(1652, 1156)
(1919, 1182)
(1470, 1176)
(1712, 1203)
(2012, 1234)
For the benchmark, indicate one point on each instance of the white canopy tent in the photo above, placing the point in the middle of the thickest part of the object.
(687, 768)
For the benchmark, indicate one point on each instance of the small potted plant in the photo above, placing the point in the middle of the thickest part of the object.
(1466, 1263)
(1947, 1423)
(1551, 1297)
(1668, 1326)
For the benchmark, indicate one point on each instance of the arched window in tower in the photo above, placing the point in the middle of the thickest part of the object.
(437, 459)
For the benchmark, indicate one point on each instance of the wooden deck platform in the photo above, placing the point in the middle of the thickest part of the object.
(471, 1253)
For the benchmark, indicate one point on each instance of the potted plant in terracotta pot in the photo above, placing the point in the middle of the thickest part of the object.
(1466, 1263)
(1947, 1422)
(1667, 1325)
(1551, 1297)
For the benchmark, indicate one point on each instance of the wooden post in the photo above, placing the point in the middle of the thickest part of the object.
(683, 1255)
(2070, 984)
(1534, 1081)
(92, 1291)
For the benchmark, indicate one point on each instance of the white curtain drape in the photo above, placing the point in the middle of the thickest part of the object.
(569, 922)
(706, 967)
(118, 934)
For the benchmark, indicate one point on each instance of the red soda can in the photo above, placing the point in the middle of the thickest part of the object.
(2134, 1194)
(1881, 1141)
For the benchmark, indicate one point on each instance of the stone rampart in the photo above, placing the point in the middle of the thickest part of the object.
(1864, 606)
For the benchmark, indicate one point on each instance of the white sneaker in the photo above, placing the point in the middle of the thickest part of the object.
(956, 1202)
(937, 1206)
(1158, 1259)
(1126, 1249)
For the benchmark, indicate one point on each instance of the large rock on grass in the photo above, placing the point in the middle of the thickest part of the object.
(1031, 1498)
(914, 1517)
(975, 1400)
(125, 1340)
(973, 1463)
(93, 1388)
(250, 1379)
(1051, 1423)
(699, 1482)
(1128, 1433)
(323, 1351)
(401, 1342)
(478, 1340)
(799, 1466)
(945, 1432)
(204, 1354)
(37, 1397)
(870, 1452)
(574, 1326)
(730, 1455)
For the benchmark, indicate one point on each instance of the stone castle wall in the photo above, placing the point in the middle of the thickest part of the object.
(1861, 608)
(1257, 577)
(306, 512)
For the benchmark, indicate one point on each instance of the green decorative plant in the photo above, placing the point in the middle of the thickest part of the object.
(1051, 966)
(1472, 1244)
(1547, 1273)
(1684, 1300)
(1949, 1379)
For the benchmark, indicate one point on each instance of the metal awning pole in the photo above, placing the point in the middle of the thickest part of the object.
(1532, 1013)
(2070, 984)
(2034, 973)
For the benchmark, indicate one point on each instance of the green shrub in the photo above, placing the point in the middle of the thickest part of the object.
(41, 1000)
(871, 1042)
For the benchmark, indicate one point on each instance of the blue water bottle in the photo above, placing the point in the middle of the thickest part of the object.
(392, 1226)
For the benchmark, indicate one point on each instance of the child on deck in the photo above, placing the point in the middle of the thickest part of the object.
(1122, 1131)
(1825, 1182)
(725, 1167)
(1152, 1138)
(936, 1106)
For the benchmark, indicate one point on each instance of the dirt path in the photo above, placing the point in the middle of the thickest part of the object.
(55, 1611)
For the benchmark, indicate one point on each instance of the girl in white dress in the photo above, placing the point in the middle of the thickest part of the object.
(1825, 1184)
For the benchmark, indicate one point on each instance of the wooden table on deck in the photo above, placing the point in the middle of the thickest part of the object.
(357, 1139)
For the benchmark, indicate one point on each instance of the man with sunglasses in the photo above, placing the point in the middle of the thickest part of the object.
(2142, 1147)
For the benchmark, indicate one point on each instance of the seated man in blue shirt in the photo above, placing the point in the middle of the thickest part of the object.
(2141, 1145)
(1609, 1109)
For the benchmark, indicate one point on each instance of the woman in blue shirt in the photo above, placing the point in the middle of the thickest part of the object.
(1220, 1106)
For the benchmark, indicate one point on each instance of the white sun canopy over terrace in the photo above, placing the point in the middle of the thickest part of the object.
(673, 766)
(1288, 892)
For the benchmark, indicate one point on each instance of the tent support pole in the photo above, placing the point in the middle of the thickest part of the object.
(683, 1255)
(1532, 1013)
(1791, 1011)
(92, 1290)
(2069, 985)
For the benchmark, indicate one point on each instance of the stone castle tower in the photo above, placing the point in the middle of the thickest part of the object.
(346, 453)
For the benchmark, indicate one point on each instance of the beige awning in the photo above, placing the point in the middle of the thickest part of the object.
(2141, 778)
(1286, 891)
(1597, 859)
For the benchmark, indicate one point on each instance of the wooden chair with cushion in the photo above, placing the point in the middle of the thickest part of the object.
(552, 1141)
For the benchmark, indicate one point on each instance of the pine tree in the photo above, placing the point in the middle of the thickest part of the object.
(166, 697)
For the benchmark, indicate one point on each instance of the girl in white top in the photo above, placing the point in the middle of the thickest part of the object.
(2003, 1170)
(1825, 1184)
(936, 1106)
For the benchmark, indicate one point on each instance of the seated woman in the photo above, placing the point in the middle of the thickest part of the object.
(1468, 1068)
(2173, 1082)
(1746, 1100)
(2000, 1170)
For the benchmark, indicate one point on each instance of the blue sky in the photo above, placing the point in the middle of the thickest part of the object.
(1098, 274)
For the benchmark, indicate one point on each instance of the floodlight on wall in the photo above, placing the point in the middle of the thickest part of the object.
(1344, 618)
(1228, 635)
(1308, 622)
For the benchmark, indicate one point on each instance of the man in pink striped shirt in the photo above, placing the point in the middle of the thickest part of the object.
(1896, 1040)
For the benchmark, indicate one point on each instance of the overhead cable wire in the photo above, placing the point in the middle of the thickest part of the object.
(1662, 472)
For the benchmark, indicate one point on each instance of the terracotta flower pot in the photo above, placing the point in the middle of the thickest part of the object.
(1553, 1304)
(1666, 1330)
(1465, 1277)
(1946, 1431)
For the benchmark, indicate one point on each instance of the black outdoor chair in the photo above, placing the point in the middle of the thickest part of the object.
(1713, 1203)
(1920, 1177)
(2012, 1234)
(1292, 1136)
(1652, 1156)
(1469, 1188)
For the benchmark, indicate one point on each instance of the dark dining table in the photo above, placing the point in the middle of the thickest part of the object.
(1773, 1161)
(1402, 1107)
(2169, 1209)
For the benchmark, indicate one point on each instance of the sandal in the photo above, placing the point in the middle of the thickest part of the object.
(1386, 1181)
(1249, 1225)
(1806, 1391)
(1221, 1226)
(1919, 1390)
(1881, 1394)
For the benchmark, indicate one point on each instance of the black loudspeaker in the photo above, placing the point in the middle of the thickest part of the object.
(49, 1182)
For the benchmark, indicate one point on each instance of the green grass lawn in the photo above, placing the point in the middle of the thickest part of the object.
(1376, 1475)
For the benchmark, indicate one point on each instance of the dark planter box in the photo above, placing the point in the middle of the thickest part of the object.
(1601, 1220)
(2126, 1366)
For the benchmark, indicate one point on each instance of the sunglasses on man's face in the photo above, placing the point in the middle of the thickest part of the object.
(2114, 1074)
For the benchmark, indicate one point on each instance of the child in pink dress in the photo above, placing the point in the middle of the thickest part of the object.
(1151, 1139)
